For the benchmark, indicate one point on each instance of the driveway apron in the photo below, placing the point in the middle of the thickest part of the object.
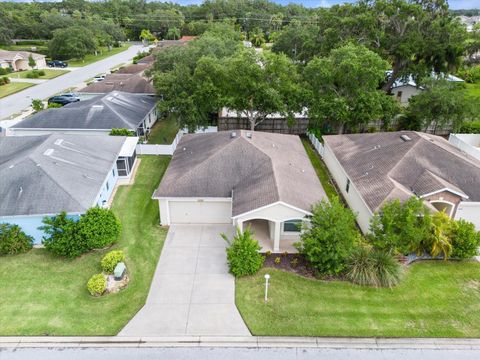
(192, 292)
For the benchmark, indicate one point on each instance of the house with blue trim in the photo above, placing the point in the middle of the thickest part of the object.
(45, 175)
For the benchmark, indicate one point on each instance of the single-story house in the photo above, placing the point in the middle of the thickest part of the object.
(243, 178)
(133, 69)
(404, 88)
(277, 123)
(45, 175)
(95, 116)
(372, 169)
(18, 60)
(125, 82)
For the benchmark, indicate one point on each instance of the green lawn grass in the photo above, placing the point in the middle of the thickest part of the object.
(40, 49)
(49, 74)
(164, 131)
(320, 169)
(473, 90)
(103, 53)
(436, 299)
(45, 295)
(13, 88)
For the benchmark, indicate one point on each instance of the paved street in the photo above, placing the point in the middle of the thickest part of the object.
(233, 354)
(17, 102)
(192, 292)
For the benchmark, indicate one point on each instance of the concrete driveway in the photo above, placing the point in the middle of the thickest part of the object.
(192, 292)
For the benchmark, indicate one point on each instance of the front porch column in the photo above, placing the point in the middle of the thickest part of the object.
(276, 236)
(240, 225)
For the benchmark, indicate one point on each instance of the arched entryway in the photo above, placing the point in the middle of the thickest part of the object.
(445, 206)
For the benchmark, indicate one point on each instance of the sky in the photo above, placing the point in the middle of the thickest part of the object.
(454, 4)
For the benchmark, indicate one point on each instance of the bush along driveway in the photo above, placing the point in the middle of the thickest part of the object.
(41, 294)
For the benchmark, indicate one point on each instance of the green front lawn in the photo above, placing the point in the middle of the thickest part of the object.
(103, 53)
(164, 131)
(320, 169)
(13, 88)
(45, 295)
(49, 74)
(436, 299)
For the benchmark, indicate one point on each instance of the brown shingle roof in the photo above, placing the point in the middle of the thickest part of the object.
(133, 69)
(383, 166)
(9, 55)
(131, 83)
(259, 171)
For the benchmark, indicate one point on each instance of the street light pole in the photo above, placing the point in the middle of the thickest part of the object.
(267, 277)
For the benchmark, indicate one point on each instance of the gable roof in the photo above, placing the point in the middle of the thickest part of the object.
(409, 80)
(8, 55)
(255, 172)
(104, 112)
(125, 82)
(53, 173)
(385, 166)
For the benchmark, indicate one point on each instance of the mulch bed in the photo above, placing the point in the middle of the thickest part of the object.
(294, 263)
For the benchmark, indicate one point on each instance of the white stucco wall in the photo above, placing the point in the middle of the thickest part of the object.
(470, 143)
(195, 211)
(353, 198)
(469, 211)
(277, 212)
(407, 92)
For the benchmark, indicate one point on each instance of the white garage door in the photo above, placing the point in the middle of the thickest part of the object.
(200, 212)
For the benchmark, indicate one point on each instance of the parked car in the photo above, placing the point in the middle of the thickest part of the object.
(57, 63)
(71, 95)
(62, 100)
(100, 77)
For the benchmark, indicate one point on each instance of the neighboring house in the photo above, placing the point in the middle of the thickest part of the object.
(18, 60)
(258, 179)
(469, 143)
(133, 69)
(276, 123)
(45, 175)
(95, 116)
(372, 169)
(404, 88)
(130, 83)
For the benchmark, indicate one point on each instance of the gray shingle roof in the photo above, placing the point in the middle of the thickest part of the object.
(260, 171)
(383, 166)
(53, 173)
(129, 83)
(103, 112)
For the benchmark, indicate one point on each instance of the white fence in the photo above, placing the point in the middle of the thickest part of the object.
(316, 144)
(468, 143)
(156, 149)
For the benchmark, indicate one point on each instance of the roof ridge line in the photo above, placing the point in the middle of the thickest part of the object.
(114, 111)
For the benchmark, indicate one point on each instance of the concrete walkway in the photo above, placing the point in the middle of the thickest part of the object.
(192, 292)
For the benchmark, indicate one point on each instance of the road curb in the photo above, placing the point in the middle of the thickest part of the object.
(244, 342)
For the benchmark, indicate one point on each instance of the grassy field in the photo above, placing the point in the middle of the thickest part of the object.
(103, 53)
(49, 74)
(436, 299)
(45, 295)
(40, 49)
(320, 169)
(13, 88)
(164, 131)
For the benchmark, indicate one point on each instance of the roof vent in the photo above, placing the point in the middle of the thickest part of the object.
(233, 135)
(48, 152)
(376, 147)
(405, 137)
(58, 142)
(248, 135)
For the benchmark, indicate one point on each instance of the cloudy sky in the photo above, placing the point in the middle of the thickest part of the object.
(454, 4)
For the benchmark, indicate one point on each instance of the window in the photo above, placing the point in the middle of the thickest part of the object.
(292, 226)
(108, 186)
(113, 172)
(399, 95)
(348, 185)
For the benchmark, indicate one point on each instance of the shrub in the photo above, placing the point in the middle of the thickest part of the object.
(13, 240)
(4, 80)
(439, 242)
(99, 228)
(62, 236)
(470, 74)
(121, 132)
(331, 237)
(243, 254)
(54, 105)
(471, 127)
(278, 260)
(400, 227)
(465, 240)
(96, 285)
(37, 105)
(41, 72)
(111, 259)
(369, 267)
(3, 71)
(32, 74)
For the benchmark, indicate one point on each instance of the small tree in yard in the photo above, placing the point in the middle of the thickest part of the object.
(439, 242)
(330, 238)
(243, 254)
(99, 227)
(31, 61)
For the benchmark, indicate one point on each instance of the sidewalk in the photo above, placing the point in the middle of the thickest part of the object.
(240, 342)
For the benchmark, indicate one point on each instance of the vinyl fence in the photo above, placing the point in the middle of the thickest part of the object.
(168, 149)
(316, 144)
